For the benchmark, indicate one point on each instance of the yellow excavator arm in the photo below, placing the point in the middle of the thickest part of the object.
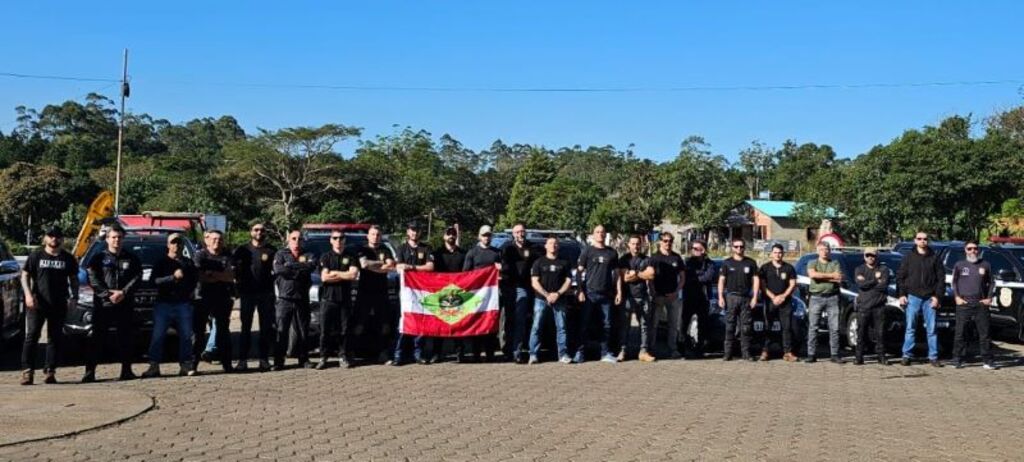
(102, 207)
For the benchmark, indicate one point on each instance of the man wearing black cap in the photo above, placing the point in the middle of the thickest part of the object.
(448, 258)
(483, 255)
(254, 265)
(175, 278)
(114, 275)
(48, 275)
(412, 256)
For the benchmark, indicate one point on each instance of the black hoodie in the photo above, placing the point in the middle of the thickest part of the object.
(921, 275)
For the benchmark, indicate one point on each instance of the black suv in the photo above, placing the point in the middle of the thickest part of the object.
(149, 244)
(895, 317)
(1007, 263)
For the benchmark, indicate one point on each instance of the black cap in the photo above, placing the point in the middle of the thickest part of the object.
(450, 231)
(54, 231)
(413, 225)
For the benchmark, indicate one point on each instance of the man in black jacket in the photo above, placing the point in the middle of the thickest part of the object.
(700, 275)
(873, 283)
(920, 282)
(292, 269)
(114, 275)
(216, 290)
(175, 278)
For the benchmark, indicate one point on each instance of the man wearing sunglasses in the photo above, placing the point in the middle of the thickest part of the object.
(700, 275)
(338, 268)
(669, 278)
(973, 289)
(825, 277)
(254, 265)
(873, 283)
(50, 284)
(920, 282)
(738, 289)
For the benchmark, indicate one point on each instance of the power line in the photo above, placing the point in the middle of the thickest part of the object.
(470, 89)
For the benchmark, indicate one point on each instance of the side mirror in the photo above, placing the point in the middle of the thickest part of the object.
(1006, 275)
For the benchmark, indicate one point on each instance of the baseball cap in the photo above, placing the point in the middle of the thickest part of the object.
(54, 231)
(174, 237)
(450, 231)
(484, 230)
(870, 251)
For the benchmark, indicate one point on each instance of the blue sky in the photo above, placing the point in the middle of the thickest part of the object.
(187, 59)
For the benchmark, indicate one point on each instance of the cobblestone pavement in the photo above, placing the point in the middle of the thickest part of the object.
(669, 410)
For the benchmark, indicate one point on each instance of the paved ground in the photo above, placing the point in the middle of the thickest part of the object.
(670, 410)
(29, 413)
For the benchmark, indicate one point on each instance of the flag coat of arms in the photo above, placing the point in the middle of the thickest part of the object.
(449, 304)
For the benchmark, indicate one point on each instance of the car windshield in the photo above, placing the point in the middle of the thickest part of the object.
(149, 251)
(1018, 253)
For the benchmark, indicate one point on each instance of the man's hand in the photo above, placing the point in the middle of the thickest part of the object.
(721, 302)
(582, 297)
(935, 303)
(30, 301)
(986, 301)
(553, 297)
(618, 299)
(753, 303)
(116, 296)
(903, 300)
(778, 300)
(960, 301)
(179, 274)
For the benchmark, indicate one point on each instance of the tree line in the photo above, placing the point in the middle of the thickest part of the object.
(958, 179)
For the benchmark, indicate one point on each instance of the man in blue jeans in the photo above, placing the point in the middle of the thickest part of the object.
(175, 277)
(920, 282)
(549, 277)
(517, 257)
(599, 284)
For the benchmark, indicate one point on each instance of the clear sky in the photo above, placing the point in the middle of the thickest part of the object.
(191, 59)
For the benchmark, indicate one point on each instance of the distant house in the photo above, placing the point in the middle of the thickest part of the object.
(770, 221)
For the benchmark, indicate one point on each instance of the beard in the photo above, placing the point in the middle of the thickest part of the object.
(972, 258)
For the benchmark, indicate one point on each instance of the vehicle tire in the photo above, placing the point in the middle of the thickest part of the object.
(850, 334)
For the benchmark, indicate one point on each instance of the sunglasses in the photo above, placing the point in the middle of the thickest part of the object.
(257, 230)
(971, 249)
(698, 249)
(667, 240)
(925, 239)
(739, 246)
(870, 255)
(336, 238)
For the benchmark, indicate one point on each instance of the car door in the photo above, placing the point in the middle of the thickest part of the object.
(10, 292)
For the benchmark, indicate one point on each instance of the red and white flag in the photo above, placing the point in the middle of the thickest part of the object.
(449, 304)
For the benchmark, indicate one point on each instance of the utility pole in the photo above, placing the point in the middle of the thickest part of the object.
(120, 136)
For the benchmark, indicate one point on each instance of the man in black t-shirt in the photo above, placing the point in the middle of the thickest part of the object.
(738, 288)
(216, 290)
(634, 273)
(600, 290)
(449, 258)
(517, 258)
(338, 268)
(412, 255)
(483, 255)
(373, 308)
(550, 278)
(175, 278)
(669, 278)
(778, 279)
(50, 284)
(254, 278)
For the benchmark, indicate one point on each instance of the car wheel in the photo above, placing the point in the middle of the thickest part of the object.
(851, 330)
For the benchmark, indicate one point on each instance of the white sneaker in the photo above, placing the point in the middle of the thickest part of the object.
(608, 358)
(533, 360)
(565, 360)
(990, 367)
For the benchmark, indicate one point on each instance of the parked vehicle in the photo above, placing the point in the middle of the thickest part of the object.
(12, 318)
